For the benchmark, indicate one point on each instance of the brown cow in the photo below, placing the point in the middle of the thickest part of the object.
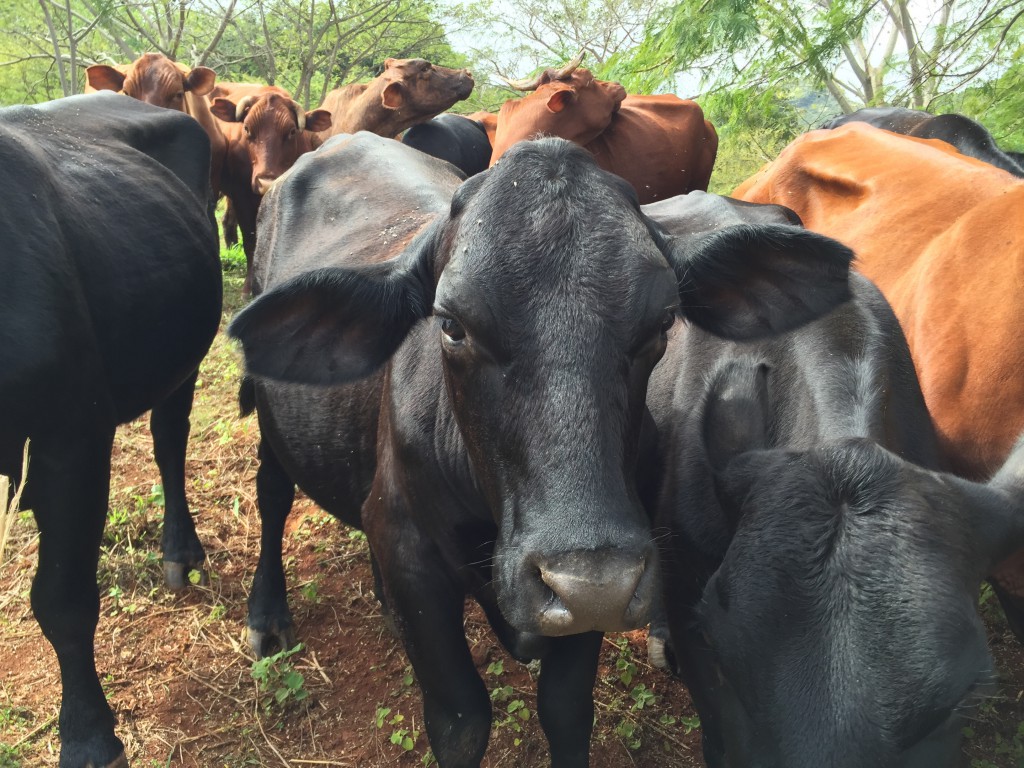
(661, 145)
(155, 79)
(407, 92)
(236, 91)
(266, 132)
(942, 235)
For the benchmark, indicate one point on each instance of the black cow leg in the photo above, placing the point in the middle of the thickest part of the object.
(378, 590)
(428, 610)
(270, 621)
(69, 479)
(169, 424)
(565, 697)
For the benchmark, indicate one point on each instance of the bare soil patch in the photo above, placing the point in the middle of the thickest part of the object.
(178, 672)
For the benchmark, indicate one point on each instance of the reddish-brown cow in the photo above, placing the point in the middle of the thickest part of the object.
(236, 91)
(267, 132)
(155, 79)
(941, 235)
(661, 145)
(407, 92)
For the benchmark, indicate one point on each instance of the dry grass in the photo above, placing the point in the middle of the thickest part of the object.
(11, 502)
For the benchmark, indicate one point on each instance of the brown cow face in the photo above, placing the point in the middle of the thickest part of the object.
(416, 87)
(154, 79)
(578, 109)
(277, 131)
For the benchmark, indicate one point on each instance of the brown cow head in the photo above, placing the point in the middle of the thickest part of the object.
(418, 90)
(569, 103)
(154, 79)
(276, 131)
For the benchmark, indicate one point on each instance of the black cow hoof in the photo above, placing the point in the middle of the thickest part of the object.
(119, 762)
(660, 653)
(93, 754)
(176, 575)
(656, 655)
(265, 644)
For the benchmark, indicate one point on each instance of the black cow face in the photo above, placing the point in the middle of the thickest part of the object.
(551, 294)
(549, 325)
(841, 629)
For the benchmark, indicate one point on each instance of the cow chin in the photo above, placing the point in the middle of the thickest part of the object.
(609, 589)
(261, 185)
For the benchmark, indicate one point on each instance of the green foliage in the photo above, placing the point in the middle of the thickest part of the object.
(400, 736)
(279, 683)
(510, 712)
(998, 104)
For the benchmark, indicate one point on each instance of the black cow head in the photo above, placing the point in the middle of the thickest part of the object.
(551, 294)
(841, 629)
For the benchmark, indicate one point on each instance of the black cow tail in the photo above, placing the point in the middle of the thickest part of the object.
(247, 396)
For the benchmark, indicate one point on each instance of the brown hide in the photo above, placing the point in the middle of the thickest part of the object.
(661, 145)
(407, 92)
(578, 108)
(236, 91)
(942, 235)
(155, 79)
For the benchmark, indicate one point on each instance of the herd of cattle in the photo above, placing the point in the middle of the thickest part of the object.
(801, 486)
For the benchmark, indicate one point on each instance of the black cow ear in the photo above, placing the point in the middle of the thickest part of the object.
(337, 325)
(752, 281)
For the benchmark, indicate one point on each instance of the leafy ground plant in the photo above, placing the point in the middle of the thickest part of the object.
(279, 683)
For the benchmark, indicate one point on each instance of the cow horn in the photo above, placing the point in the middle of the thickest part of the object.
(300, 116)
(571, 67)
(531, 84)
(243, 106)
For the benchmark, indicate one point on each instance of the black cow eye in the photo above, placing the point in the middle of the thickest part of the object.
(451, 328)
(668, 320)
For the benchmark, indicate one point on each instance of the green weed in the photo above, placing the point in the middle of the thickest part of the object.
(278, 681)
(400, 736)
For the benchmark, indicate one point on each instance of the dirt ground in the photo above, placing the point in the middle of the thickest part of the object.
(180, 678)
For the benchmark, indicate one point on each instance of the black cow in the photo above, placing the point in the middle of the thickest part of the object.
(968, 136)
(458, 140)
(842, 627)
(520, 328)
(806, 636)
(110, 295)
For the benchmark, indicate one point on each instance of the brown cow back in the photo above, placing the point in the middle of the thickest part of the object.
(661, 145)
(942, 235)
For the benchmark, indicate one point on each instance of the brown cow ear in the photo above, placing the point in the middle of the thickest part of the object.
(559, 100)
(392, 97)
(200, 81)
(318, 120)
(104, 78)
(225, 109)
